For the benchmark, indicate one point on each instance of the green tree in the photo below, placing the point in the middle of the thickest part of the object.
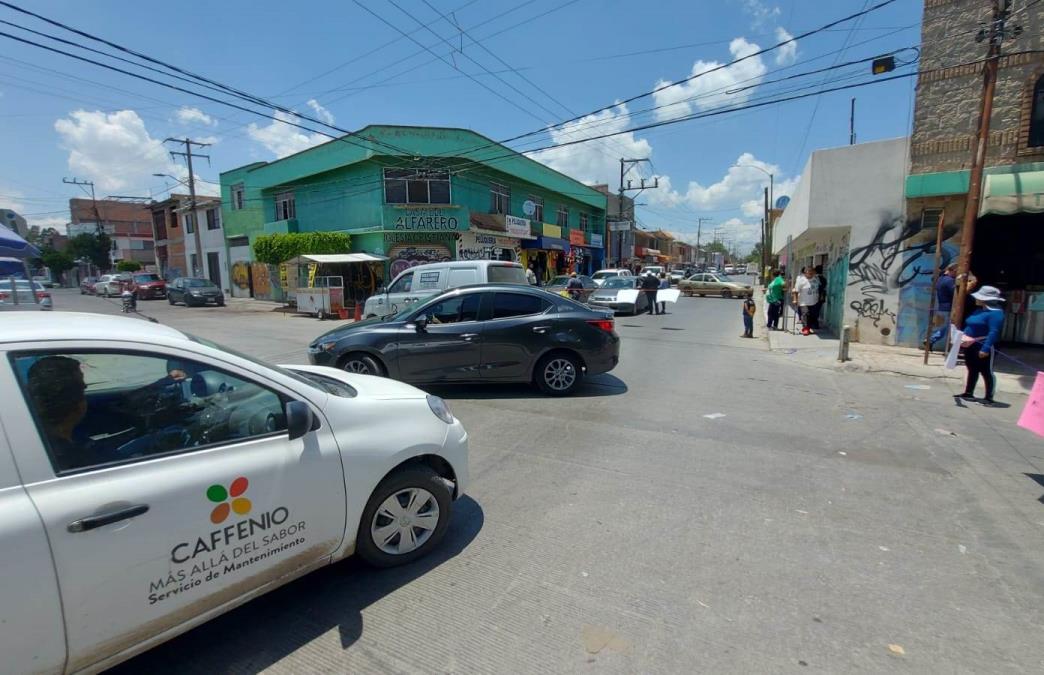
(273, 249)
(56, 261)
(93, 247)
(755, 254)
(128, 266)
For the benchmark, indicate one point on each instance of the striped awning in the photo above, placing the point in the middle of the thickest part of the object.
(1008, 193)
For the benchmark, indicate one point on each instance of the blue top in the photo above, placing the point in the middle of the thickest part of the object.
(665, 283)
(944, 290)
(985, 323)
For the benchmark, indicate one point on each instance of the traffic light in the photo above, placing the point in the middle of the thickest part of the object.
(885, 64)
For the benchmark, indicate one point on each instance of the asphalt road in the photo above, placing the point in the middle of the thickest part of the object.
(709, 506)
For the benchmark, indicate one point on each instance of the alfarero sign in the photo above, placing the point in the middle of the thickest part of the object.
(426, 219)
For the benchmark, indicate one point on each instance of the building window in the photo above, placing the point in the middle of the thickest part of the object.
(237, 197)
(1036, 129)
(416, 186)
(187, 219)
(213, 222)
(562, 217)
(538, 208)
(499, 198)
(285, 206)
(583, 222)
(193, 263)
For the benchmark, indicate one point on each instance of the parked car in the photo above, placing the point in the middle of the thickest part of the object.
(27, 294)
(715, 284)
(111, 285)
(676, 275)
(87, 285)
(195, 292)
(608, 296)
(147, 285)
(490, 333)
(193, 480)
(729, 269)
(419, 283)
(652, 269)
(600, 276)
(561, 282)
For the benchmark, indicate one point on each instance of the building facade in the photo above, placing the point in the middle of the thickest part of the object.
(416, 195)
(169, 237)
(14, 222)
(213, 264)
(1008, 247)
(128, 224)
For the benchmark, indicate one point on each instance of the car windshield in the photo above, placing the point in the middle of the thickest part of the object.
(199, 283)
(146, 278)
(507, 274)
(619, 282)
(725, 279)
(559, 281)
(604, 274)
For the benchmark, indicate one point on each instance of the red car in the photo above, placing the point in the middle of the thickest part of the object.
(148, 286)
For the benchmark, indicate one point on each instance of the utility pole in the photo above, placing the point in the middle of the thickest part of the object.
(851, 124)
(995, 34)
(94, 200)
(188, 142)
(625, 166)
(699, 230)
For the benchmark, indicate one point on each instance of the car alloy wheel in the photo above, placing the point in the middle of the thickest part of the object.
(558, 374)
(726, 293)
(405, 521)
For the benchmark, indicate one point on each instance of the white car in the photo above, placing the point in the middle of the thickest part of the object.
(601, 275)
(24, 295)
(110, 285)
(152, 481)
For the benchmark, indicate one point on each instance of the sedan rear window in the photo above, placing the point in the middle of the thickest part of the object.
(506, 305)
(507, 274)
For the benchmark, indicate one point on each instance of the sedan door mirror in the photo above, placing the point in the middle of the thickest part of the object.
(382, 290)
(421, 322)
(299, 419)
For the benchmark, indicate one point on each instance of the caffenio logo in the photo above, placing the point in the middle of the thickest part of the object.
(246, 536)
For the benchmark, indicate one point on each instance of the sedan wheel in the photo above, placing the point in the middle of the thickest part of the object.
(558, 374)
(726, 293)
(406, 517)
(362, 365)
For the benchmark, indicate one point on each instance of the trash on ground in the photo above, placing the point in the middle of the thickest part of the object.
(714, 416)
(896, 649)
(918, 386)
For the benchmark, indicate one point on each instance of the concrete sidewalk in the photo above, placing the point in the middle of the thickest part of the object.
(821, 350)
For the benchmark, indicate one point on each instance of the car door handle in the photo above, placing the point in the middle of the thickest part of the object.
(541, 329)
(92, 522)
(469, 337)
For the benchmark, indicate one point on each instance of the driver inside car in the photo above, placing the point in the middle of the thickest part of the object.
(56, 388)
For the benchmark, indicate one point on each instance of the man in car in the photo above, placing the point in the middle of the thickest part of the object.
(56, 389)
(175, 387)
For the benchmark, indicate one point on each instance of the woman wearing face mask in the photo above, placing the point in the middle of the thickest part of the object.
(984, 328)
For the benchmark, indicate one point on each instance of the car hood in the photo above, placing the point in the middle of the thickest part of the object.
(344, 331)
(379, 388)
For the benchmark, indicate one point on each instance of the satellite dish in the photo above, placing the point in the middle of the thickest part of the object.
(782, 202)
(528, 207)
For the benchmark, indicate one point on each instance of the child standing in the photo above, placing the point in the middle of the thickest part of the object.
(748, 317)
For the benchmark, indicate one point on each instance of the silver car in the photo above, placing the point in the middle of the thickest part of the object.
(608, 296)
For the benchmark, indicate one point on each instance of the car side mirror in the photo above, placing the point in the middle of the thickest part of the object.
(421, 322)
(382, 289)
(299, 419)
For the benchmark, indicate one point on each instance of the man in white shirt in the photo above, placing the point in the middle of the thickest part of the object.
(806, 295)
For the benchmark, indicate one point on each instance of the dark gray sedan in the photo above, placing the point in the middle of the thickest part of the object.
(609, 296)
(489, 333)
(194, 292)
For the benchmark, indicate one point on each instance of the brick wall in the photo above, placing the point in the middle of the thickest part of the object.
(949, 90)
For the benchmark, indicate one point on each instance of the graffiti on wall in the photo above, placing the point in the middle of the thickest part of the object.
(403, 257)
(241, 274)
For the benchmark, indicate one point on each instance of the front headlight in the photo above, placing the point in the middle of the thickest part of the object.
(322, 347)
(441, 410)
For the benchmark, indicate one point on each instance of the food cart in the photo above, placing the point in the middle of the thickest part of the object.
(331, 284)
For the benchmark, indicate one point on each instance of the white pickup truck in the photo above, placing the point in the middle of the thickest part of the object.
(151, 481)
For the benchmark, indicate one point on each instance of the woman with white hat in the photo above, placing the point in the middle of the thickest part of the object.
(983, 327)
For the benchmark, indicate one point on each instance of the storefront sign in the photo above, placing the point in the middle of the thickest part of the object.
(576, 237)
(517, 227)
(415, 238)
(475, 246)
(552, 230)
(430, 219)
(596, 240)
(619, 225)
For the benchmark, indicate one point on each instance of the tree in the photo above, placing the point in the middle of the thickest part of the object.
(93, 247)
(755, 254)
(56, 261)
(273, 249)
(128, 266)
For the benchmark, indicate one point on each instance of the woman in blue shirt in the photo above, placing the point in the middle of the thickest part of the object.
(984, 326)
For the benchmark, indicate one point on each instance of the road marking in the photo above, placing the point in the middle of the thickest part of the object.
(714, 416)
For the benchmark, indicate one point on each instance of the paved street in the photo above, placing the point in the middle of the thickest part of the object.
(709, 506)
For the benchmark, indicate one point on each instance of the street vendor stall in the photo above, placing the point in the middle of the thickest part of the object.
(332, 284)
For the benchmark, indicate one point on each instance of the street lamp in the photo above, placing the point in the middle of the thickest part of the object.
(771, 204)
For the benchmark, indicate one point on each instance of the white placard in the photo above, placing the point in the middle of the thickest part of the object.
(627, 296)
(667, 295)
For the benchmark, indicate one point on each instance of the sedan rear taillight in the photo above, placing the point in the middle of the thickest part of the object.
(40, 295)
(608, 325)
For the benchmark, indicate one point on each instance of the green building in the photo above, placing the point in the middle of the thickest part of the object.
(415, 195)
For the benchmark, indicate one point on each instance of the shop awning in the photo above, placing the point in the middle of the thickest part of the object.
(546, 244)
(337, 258)
(1008, 193)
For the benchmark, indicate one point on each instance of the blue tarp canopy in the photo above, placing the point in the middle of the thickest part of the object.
(13, 246)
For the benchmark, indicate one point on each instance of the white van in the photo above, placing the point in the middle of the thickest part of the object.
(424, 281)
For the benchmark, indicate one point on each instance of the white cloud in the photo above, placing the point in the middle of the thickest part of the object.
(282, 139)
(189, 115)
(114, 150)
(321, 113)
(760, 12)
(207, 140)
(786, 54)
(594, 161)
(710, 90)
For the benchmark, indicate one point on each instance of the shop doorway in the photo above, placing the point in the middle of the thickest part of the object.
(214, 268)
(1009, 253)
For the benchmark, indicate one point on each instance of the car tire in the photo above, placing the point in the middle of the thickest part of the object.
(726, 293)
(221, 303)
(362, 364)
(688, 294)
(170, 298)
(552, 374)
(703, 295)
(433, 496)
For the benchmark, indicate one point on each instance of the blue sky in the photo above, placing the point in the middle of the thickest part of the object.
(557, 59)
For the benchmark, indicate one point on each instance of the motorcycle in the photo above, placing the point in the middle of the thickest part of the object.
(130, 301)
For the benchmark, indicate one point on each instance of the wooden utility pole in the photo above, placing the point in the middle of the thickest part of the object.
(995, 35)
(188, 142)
(625, 166)
(935, 282)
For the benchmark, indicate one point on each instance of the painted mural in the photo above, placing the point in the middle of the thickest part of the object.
(266, 282)
(404, 256)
